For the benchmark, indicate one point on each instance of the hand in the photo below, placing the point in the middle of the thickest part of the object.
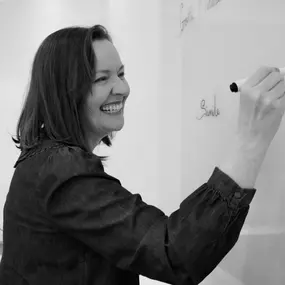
(262, 105)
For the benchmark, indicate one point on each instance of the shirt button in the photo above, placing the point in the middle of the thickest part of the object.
(237, 195)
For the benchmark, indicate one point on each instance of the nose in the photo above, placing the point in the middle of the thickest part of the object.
(121, 87)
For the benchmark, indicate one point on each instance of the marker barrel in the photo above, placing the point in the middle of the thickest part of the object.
(235, 86)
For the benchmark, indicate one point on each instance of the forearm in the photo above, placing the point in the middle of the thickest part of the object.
(206, 227)
(243, 163)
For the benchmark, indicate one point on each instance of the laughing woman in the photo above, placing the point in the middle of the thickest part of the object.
(67, 222)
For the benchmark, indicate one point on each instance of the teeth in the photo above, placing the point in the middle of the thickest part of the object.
(113, 108)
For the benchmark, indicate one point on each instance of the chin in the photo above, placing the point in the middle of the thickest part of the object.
(115, 128)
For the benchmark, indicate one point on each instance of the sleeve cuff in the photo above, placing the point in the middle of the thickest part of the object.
(230, 190)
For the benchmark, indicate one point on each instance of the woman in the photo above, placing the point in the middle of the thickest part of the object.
(68, 222)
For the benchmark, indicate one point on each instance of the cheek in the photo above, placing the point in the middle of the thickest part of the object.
(92, 117)
(100, 95)
(90, 110)
(94, 104)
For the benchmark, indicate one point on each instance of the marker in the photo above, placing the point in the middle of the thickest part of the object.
(235, 86)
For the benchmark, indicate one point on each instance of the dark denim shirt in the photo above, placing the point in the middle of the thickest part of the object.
(67, 222)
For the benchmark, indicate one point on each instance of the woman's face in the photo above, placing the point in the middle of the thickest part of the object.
(104, 108)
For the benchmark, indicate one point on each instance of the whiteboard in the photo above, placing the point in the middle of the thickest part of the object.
(228, 42)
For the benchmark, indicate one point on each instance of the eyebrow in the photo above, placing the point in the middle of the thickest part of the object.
(108, 70)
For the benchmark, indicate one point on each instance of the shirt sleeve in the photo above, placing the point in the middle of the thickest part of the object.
(183, 248)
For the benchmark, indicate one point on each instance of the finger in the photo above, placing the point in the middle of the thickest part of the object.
(273, 82)
(259, 75)
(280, 103)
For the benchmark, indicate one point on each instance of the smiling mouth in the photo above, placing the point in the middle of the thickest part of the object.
(115, 108)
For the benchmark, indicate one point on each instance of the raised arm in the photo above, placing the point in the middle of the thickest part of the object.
(132, 235)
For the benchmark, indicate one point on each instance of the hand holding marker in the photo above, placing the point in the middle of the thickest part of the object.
(261, 108)
(235, 86)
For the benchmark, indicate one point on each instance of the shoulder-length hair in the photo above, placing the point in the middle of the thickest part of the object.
(62, 74)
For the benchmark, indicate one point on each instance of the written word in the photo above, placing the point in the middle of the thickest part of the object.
(185, 20)
(207, 112)
(212, 3)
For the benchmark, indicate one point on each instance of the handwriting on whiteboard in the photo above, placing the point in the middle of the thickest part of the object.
(185, 19)
(208, 112)
(212, 3)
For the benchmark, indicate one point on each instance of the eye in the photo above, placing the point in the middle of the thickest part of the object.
(122, 74)
(101, 79)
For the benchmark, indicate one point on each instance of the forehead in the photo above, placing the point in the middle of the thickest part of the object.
(106, 55)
